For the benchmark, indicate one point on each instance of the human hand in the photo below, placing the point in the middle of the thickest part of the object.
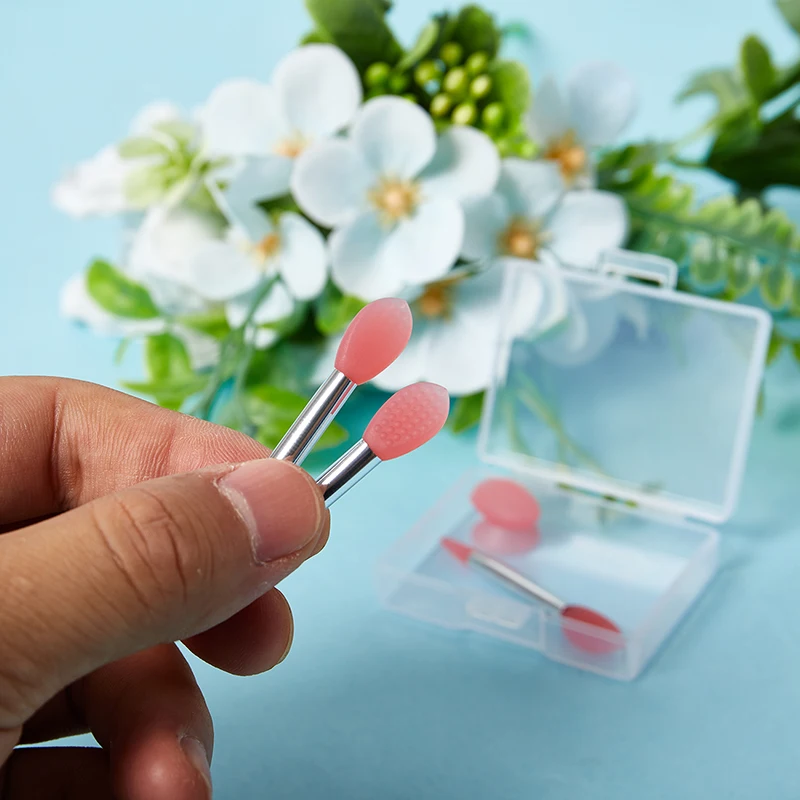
(118, 539)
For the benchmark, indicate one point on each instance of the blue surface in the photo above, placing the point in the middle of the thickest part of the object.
(369, 705)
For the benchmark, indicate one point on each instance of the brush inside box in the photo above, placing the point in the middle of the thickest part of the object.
(642, 571)
(629, 420)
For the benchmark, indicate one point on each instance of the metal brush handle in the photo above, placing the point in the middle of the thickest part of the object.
(345, 473)
(314, 419)
(517, 581)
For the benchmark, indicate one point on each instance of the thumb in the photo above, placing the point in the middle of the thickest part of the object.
(155, 563)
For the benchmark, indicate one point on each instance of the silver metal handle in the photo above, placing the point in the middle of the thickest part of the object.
(345, 473)
(314, 419)
(517, 581)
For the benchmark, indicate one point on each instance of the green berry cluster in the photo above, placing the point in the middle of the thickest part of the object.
(456, 87)
(381, 79)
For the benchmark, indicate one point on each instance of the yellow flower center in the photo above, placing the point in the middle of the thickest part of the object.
(267, 248)
(395, 199)
(522, 239)
(292, 146)
(438, 299)
(569, 154)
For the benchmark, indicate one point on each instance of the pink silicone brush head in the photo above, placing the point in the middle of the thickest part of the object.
(458, 550)
(407, 420)
(591, 619)
(374, 339)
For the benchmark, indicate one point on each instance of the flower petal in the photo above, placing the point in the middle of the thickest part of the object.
(277, 305)
(255, 179)
(602, 100)
(486, 219)
(153, 114)
(462, 351)
(411, 366)
(531, 189)
(242, 117)
(204, 351)
(585, 224)
(541, 296)
(330, 182)
(466, 165)
(318, 88)
(357, 263)
(395, 136)
(303, 258)
(424, 247)
(220, 271)
(548, 117)
(95, 186)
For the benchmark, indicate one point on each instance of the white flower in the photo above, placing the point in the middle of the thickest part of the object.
(314, 93)
(393, 195)
(530, 216)
(599, 103)
(97, 186)
(77, 305)
(456, 324)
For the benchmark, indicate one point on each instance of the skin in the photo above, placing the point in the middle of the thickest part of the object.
(118, 539)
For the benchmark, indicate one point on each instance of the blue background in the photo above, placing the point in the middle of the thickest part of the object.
(370, 705)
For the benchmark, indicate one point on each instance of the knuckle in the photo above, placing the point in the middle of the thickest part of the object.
(159, 545)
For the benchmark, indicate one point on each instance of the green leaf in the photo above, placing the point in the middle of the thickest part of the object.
(118, 294)
(141, 146)
(358, 27)
(172, 379)
(757, 67)
(168, 393)
(167, 358)
(424, 44)
(726, 85)
(316, 37)
(776, 345)
(511, 86)
(466, 412)
(796, 351)
(335, 311)
(277, 205)
(476, 30)
(759, 156)
(790, 9)
(212, 323)
(273, 410)
(776, 286)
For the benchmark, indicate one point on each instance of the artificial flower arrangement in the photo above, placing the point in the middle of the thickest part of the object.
(259, 224)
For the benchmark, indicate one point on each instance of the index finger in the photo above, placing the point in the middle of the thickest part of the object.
(64, 443)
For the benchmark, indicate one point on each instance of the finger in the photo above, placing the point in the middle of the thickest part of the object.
(252, 641)
(149, 713)
(155, 563)
(64, 443)
(58, 718)
(57, 773)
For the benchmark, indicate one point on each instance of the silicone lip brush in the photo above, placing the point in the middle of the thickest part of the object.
(405, 422)
(374, 339)
(512, 578)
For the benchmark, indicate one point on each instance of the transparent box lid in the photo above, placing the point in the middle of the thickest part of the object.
(607, 383)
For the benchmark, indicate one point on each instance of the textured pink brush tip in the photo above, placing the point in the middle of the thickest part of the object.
(407, 420)
(584, 640)
(374, 339)
(458, 550)
(506, 504)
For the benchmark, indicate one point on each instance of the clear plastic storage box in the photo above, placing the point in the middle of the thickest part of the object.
(629, 422)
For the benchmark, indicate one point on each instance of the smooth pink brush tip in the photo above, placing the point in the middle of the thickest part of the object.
(457, 549)
(374, 339)
(585, 641)
(506, 504)
(407, 420)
